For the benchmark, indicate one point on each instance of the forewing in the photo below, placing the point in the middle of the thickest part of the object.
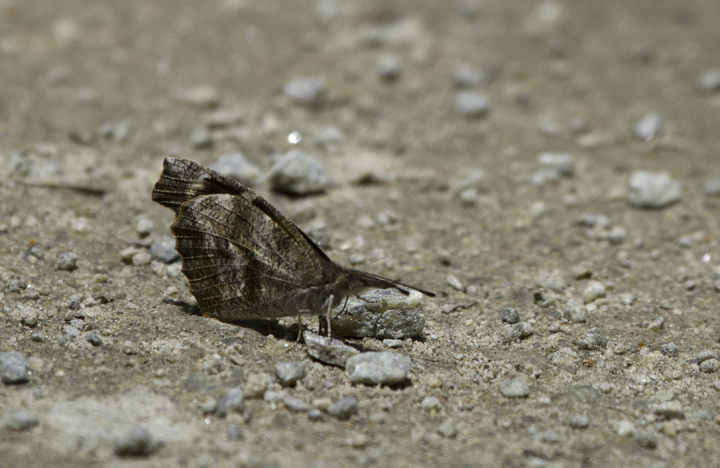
(182, 180)
(237, 259)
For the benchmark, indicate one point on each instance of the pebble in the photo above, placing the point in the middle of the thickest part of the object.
(653, 190)
(235, 432)
(141, 259)
(472, 105)
(232, 402)
(657, 324)
(712, 187)
(509, 315)
(514, 388)
(563, 164)
(144, 227)
(648, 127)
(625, 428)
(706, 354)
(14, 369)
(431, 404)
(236, 166)
(306, 90)
(298, 173)
(670, 350)
(386, 314)
(391, 343)
(163, 250)
(592, 340)
(288, 373)
(448, 429)
(21, 421)
(710, 366)
(94, 338)
(136, 443)
(222, 119)
(466, 76)
(716, 385)
(578, 421)
(645, 438)
(388, 67)
(67, 262)
(200, 96)
(296, 405)
(327, 350)
(709, 81)
(201, 138)
(29, 316)
(593, 291)
(575, 313)
(517, 332)
(669, 410)
(373, 368)
(315, 415)
(455, 283)
(344, 408)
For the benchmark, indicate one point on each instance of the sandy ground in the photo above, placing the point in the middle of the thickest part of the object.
(615, 359)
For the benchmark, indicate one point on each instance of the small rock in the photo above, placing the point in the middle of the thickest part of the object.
(706, 354)
(373, 368)
(517, 332)
(232, 402)
(509, 315)
(645, 438)
(625, 428)
(712, 187)
(288, 373)
(164, 250)
(344, 408)
(327, 350)
(575, 313)
(515, 388)
(709, 366)
(144, 227)
(563, 164)
(257, 385)
(670, 350)
(594, 290)
(592, 340)
(236, 166)
(201, 96)
(21, 421)
(472, 105)
(29, 316)
(235, 432)
(657, 324)
(201, 138)
(141, 259)
(136, 443)
(648, 127)
(455, 283)
(66, 262)
(653, 190)
(222, 119)
(669, 410)
(14, 369)
(578, 421)
(306, 90)
(94, 338)
(448, 429)
(465, 76)
(709, 81)
(296, 405)
(297, 173)
(431, 404)
(388, 67)
(391, 343)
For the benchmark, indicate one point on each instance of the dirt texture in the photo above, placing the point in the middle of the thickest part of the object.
(556, 158)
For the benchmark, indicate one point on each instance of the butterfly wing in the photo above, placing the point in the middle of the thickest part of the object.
(241, 263)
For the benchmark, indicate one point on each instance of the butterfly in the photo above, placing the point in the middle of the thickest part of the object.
(243, 258)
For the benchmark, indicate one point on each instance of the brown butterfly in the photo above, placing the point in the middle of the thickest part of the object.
(243, 258)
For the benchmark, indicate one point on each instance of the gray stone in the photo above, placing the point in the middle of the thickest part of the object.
(141, 259)
(327, 350)
(136, 443)
(297, 173)
(222, 119)
(67, 262)
(710, 366)
(517, 332)
(669, 410)
(466, 76)
(164, 250)
(384, 314)
(236, 166)
(670, 350)
(448, 429)
(14, 369)
(705, 355)
(232, 402)
(563, 164)
(472, 105)
(306, 90)
(648, 127)
(578, 421)
(373, 368)
(712, 187)
(29, 316)
(657, 324)
(344, 408)
(94, 338)
(201, 138)
(144, 227)
(509, 315)
(21, 420)
(235, 432)
(388, 67)
(645, 438)
(296, 405)
(592, 340)
(709, 81)
(514, 388)
(288, 373)
(431, 404)
(593, 291)
(653, 190)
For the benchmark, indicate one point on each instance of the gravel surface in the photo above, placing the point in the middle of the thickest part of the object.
(548, 168)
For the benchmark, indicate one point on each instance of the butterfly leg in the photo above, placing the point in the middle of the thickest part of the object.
(300, 326)
(329, 314)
